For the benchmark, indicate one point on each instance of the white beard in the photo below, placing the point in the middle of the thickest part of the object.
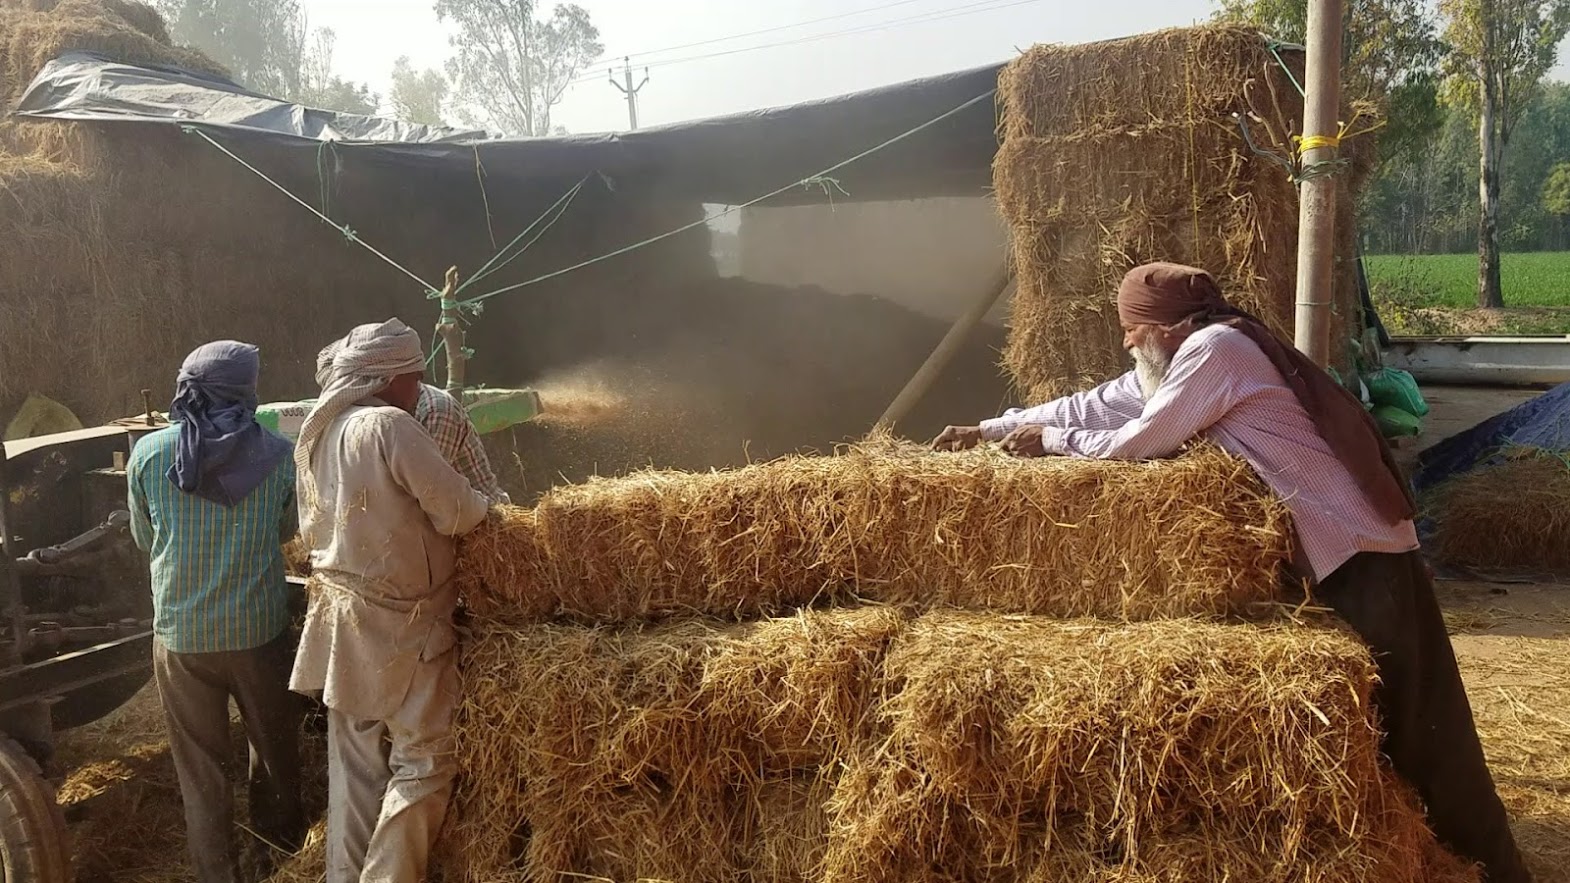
(1150, 366)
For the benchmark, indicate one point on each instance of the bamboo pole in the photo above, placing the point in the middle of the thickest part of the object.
(928, 373)
(1317, 198)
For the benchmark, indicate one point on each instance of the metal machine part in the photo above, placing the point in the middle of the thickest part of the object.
(75, 624)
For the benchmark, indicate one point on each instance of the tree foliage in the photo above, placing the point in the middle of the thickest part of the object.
(263, 43)
(270, 47)
(417, 96)
(1499, 52)
(1556, 191)
(1391, 54)
(1428, 202)
(512, 66)
(320, 87)
(1501, 48)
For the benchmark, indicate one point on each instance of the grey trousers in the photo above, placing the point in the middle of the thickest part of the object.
(389, 782)
(195, 689)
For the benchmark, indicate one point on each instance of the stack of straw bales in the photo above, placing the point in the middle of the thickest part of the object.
(896, 665)
(1118, 153)
(1510, 515)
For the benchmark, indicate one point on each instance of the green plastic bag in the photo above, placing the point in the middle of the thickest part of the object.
(1395, 422)
(1397, 389)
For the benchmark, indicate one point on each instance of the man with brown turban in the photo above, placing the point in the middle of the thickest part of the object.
(1205, 369)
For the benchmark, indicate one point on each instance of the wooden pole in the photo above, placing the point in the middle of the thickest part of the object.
(451, 332)
(1316, 256)
(927, 374)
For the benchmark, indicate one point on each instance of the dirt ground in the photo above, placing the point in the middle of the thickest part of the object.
(1451, 321)
(122, 802)
(1513, 643)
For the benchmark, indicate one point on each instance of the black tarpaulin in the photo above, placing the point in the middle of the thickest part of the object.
(732, 159)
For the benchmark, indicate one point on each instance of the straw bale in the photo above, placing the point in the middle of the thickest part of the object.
(790, 829)
(586, 735)
(1060, 90)
(1119, 725)
(1119, 153)
(1154, 751)
(1512, 515)
(1196, 535)
(1107, 173)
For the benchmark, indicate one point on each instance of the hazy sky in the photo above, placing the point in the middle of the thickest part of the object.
(887, 41)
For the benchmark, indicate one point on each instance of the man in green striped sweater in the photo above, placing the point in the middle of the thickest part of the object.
(212, 498)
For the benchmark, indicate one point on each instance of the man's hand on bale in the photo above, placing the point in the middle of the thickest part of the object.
(1024, 442)
(957, 438)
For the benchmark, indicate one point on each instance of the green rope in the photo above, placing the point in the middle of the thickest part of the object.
(1274, 48)
(827, 185)
(1297, 175)
(347, 232)
(492, 265)
(324, 173)
(1271, 155)
(809, 180)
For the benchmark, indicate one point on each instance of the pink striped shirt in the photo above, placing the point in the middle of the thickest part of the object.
(1222, 387)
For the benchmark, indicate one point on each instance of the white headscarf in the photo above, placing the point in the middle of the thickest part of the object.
(324, 362)
(349, 371)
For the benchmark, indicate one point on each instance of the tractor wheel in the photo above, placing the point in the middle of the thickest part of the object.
(34, 847)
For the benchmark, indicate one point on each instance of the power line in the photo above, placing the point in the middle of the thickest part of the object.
(923, 18)
(972, 8)
(775, 29)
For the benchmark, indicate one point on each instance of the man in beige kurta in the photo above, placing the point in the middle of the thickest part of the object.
(380, 508)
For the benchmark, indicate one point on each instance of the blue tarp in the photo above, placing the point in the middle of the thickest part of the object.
(1542, 422)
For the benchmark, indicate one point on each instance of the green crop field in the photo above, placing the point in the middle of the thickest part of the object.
(1535, 279)
(1437, 294)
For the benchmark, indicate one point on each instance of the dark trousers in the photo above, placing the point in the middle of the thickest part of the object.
(1430, 737)
(195, 689)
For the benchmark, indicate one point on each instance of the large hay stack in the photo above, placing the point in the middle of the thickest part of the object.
(679, 677)
(1118, 153)
(1513, 515)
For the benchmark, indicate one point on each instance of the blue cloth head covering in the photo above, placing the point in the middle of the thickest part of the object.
(223, 453)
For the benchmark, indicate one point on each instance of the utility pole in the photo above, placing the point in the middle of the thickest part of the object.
(630, 91)
(1316, 253)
